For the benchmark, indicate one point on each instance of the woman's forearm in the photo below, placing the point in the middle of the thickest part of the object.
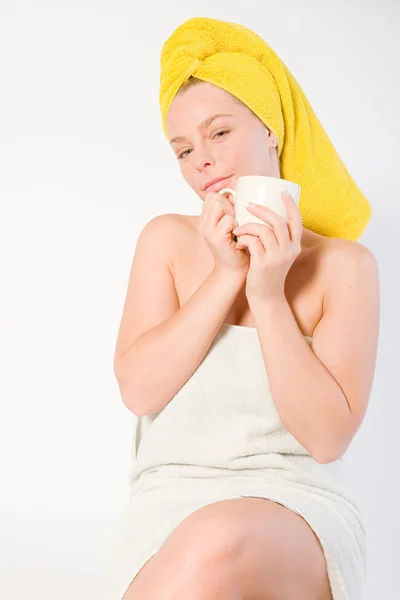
(160, 361)
(309, 401)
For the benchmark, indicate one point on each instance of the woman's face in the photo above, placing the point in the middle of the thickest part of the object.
(229, 146)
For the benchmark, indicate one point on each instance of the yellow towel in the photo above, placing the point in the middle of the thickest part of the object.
(238, 60)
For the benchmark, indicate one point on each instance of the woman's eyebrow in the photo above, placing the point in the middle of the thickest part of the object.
(202, 125)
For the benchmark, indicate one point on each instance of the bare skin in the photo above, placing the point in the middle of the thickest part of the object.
(239, 144)
(304, 287)
(241, 548)
(236, 549)
(267, 552)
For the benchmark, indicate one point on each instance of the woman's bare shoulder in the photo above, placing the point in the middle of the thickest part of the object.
(317, 247)
(335, 247)
(188, 220)
(182, 224)
(337, 255)
(173, 222)
(180, 230)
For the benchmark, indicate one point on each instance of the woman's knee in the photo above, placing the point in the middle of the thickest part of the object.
(203, 540)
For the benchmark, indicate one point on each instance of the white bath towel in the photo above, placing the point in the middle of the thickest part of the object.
(221, 437)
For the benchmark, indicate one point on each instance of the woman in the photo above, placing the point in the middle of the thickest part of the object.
(248, 361)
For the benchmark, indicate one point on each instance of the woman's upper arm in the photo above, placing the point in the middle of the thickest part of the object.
(151, 296)
(346, 338)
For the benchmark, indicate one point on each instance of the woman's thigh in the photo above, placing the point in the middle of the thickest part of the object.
(259, 547)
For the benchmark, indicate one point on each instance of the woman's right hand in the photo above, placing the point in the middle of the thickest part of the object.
(216, 223)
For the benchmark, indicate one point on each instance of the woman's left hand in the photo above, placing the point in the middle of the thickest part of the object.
(273, 248)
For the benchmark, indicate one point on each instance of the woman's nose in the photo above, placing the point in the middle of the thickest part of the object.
(204, 157)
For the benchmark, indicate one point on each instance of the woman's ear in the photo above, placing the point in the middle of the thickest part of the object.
(271, 138)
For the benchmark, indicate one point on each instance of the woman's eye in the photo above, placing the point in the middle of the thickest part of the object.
(184, 152)
(181, 155)
(224, 131)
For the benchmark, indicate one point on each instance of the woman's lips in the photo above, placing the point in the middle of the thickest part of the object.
(219, 185)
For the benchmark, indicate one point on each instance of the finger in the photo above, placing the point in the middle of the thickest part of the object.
(213, 198)
(294, 220)
(254, 247)
(290, 205)
(282, 236)
(269, 240)
(228, 202)
(265, 214)
(250, 228)
(217, 208)
(265, 233)
(277, 222)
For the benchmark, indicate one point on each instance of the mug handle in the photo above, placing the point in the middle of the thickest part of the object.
(225, 190)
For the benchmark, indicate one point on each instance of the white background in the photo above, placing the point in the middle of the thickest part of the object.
(84, 165)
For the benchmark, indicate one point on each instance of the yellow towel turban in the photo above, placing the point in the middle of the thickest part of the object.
(238, 60)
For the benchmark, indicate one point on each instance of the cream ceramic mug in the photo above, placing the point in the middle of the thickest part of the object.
(261, 190)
